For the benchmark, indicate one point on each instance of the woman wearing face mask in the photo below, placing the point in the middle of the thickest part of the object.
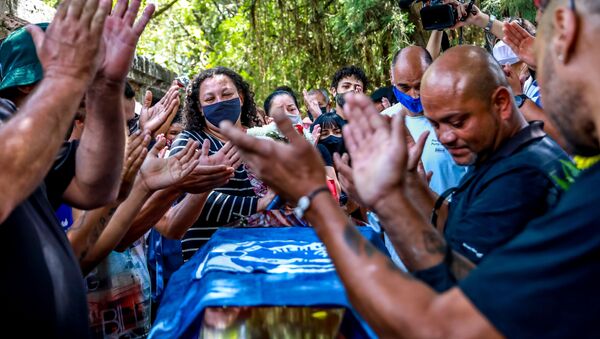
(215, 95)
(283, 101)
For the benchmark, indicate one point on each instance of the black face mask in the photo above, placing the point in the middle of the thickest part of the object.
(339, 99)
(334, 144)
(323, 109)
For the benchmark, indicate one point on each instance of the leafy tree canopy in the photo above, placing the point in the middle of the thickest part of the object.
(298, 43)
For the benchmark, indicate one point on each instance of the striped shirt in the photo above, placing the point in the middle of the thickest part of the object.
(223, 205)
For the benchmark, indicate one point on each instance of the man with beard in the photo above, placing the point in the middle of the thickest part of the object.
(542, 284)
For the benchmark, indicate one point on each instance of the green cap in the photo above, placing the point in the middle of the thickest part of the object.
(19, 64)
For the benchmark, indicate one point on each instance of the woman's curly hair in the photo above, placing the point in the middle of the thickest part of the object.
(193, 118)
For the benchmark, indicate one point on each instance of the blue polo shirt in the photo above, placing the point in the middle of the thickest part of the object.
(497, 198)
(544, 283)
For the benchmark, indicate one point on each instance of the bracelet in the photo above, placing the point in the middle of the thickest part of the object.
(304, 203)
(490, 23)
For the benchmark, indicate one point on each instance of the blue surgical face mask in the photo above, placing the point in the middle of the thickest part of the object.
(296, 119)
(412, 104)
(229, 110)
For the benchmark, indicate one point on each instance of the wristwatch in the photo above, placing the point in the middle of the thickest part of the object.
(304, 203)
(520, 100)
(490, 24)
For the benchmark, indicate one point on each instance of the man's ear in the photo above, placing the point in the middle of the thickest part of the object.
(566, 30)
(333, 92)
(503, 103)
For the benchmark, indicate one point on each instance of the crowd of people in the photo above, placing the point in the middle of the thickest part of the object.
(476, 166)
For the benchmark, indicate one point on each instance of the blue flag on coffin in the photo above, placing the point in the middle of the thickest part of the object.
(256, 267)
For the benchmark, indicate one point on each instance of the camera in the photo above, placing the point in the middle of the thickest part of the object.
(438, 16)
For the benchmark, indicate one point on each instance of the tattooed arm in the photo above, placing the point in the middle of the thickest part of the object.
(391, 301)
(394, 304)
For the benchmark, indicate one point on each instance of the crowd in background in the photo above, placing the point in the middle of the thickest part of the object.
(477, 167)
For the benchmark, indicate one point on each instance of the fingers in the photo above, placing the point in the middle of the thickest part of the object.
(205, 148)
(520, 32)
(399, 134)
(417, 151)
(188, 167)
(132, 10)
(61, 11)
(188, 152)
(97, 24)
(37, 34)
(134, 141)
(120, 8)
(91, 6)
(213, 172)
(341, 165)
(245, 142)
(139, 160)
(140, 26)
(349, 138)
(148, 99)
(285, 126)
(75, 9)
(160, 144)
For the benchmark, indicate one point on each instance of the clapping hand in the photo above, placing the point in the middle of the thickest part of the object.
(293, 170)
(381, 154)
(120, 37)
(312, 105)
(158, 118)
(71, 44)
(135, 153)
(158, 173)
(521, 42)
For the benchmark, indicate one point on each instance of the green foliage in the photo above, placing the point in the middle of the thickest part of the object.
(297, 43)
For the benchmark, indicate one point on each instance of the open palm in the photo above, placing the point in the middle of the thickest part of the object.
(158, 173)
(521, 42)
(120, 37)
(378, 150)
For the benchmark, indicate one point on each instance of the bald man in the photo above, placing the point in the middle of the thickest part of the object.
(408, 66)
(542, 284)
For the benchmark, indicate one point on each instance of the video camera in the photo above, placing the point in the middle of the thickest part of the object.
(437, 15)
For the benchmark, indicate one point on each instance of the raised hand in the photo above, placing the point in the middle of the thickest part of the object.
(204, 179)
(346, 179)
(135, 153)
(316, 134)
(293, 170)
(120, 37)
(379, 150)
(70, 47)
(521, 42)
(228, 155)
(158, 173)
(312, 105)
(158, 118)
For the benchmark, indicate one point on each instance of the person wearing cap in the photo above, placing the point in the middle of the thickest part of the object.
(46, 70)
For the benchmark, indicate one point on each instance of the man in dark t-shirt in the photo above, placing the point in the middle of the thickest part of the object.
(42, 287)
(47, 285)
(541, 284)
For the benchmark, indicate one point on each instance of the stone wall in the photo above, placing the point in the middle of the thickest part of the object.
(144, 74)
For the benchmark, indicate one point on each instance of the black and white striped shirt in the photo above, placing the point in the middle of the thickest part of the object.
(224, 205)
